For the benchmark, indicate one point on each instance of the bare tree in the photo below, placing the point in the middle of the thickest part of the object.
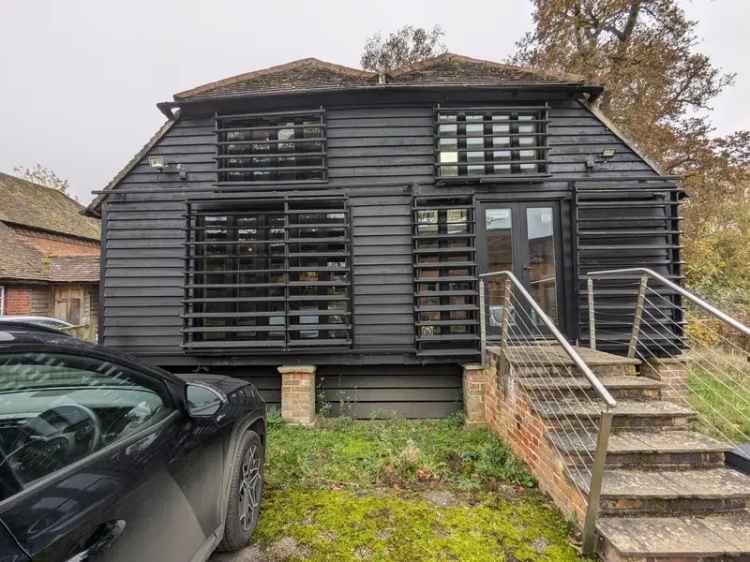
(43, 176)
(406, 45)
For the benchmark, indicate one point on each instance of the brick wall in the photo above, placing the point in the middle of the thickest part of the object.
(508, 414)
(673, 372)
(17, 300)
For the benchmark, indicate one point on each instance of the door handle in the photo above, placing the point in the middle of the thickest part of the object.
(104, 536)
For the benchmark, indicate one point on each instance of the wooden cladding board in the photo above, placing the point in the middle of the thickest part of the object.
(367, 392)
(380, 158)
(623, 225)
(388, 391)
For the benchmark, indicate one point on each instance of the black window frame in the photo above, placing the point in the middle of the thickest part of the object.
(486, 168)
(300, 298)
(235, 167)
(446, 290)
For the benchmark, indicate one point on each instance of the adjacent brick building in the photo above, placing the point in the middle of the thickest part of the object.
(49, 263)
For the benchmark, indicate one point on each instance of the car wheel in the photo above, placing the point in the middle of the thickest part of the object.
(245, 493)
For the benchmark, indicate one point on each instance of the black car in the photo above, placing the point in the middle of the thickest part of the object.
(104, 458)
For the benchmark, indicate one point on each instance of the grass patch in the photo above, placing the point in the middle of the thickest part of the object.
(398, 490)
(722, 404)
(399, 453)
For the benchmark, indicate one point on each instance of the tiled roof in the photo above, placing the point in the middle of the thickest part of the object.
(311, 74)
(21, 260)
(303, 74)
(30, 204)
(453, 69)
(74, 268)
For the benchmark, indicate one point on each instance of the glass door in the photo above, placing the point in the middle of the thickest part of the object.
(523, 238)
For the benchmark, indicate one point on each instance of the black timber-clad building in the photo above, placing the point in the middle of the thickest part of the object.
(311, 213)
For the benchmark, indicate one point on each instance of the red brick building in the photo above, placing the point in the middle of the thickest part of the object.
(49, 253)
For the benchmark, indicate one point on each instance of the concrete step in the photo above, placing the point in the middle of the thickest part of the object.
(628, 414)
(544, 360)
(674, 492)
(644, 450)
(667, 539)
(622, 387)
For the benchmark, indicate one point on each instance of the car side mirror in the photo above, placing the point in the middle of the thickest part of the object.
(203, 401)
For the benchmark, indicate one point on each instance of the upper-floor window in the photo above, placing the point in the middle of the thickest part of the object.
(491, 141)
(271, 147)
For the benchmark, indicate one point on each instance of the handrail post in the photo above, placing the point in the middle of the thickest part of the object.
(595, 487)
(482, 325)
(632, 346)
(592, 317)
(506, 315)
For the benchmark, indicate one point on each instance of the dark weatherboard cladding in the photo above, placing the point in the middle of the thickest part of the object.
(314, 214)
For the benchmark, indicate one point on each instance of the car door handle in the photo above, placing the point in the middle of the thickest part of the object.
(104, 536)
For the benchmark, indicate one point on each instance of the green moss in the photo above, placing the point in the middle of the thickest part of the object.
(389, 526)
(347, 490)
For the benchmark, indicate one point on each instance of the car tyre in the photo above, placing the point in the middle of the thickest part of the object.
(245, 493)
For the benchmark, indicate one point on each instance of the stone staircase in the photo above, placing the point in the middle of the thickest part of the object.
(666, 494)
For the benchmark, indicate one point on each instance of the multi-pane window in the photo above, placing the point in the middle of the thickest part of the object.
(492, 141)
(445, 276)
(271, 147)
(272, 274)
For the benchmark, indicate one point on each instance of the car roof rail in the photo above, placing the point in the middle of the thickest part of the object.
(10, 325)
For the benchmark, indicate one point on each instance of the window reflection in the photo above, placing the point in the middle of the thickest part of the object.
(542, 268)
(468, 142)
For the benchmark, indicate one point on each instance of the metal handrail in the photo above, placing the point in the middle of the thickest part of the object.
(684, 292)
(607, 414)
(601, 390)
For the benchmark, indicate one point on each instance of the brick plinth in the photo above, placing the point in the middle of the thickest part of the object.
(298, 394)
(475, 380)
(508, 414)
(673, 372)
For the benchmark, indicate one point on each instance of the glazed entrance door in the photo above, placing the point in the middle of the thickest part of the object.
(523, 238)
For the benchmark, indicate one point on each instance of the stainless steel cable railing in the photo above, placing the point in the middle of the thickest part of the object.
(672, 323)
(578, 422)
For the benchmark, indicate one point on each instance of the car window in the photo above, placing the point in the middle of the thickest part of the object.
(56, 409)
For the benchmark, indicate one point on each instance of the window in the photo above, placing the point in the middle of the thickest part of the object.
(57, 409)
(271, 147)
(445, 277)
(490, 142)
(269, 274)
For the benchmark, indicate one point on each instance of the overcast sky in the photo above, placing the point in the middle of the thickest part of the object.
(79, 79)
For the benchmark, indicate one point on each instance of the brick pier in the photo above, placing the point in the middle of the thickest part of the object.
(298, 393)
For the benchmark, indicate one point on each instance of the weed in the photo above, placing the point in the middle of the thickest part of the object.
(722, 403)
(396, 452)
